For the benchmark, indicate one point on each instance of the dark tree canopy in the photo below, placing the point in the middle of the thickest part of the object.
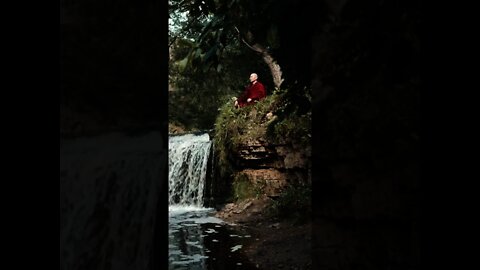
(281, 27)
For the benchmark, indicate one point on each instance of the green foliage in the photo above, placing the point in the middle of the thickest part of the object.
(213, 25)
(294, 116)
(275, 119)
(225, 124)
(209, 60)
(291, 129)
(197, 94)
(293, 203)
(236, 126)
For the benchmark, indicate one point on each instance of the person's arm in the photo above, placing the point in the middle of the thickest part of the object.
(244, 96)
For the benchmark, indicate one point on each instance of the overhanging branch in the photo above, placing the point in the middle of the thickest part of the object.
(267, 58)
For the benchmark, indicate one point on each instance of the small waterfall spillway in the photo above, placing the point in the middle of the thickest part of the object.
(197, 240)
(188, 158)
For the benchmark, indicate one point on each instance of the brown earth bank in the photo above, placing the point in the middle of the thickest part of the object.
(275, 243)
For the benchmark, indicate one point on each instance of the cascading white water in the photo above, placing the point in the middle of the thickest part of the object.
(188, 158)
(197, 240)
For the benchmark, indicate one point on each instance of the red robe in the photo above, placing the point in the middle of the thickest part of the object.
(255, 91)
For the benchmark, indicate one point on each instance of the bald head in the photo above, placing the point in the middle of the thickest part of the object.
(253, 77)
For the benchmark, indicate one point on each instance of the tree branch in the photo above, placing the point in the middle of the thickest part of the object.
(246, 43)
(268, 59)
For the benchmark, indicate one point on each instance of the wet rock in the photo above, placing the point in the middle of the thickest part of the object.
(275, 225)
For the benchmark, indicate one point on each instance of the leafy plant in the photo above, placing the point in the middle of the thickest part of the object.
(274, 120)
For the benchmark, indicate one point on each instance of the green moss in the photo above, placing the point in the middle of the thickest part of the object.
(234, 126)
(289, 123)
(242, 188)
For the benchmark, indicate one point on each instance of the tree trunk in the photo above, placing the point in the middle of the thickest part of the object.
(272, 64)
(275, 69)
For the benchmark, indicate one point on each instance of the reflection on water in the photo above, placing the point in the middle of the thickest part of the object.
(200, 241)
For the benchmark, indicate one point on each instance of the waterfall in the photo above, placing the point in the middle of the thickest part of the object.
(106, 182)
(187, 160)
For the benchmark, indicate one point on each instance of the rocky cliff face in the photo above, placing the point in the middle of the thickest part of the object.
(263, 149)
(271, 167)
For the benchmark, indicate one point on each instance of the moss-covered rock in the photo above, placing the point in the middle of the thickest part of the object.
(263, 149)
